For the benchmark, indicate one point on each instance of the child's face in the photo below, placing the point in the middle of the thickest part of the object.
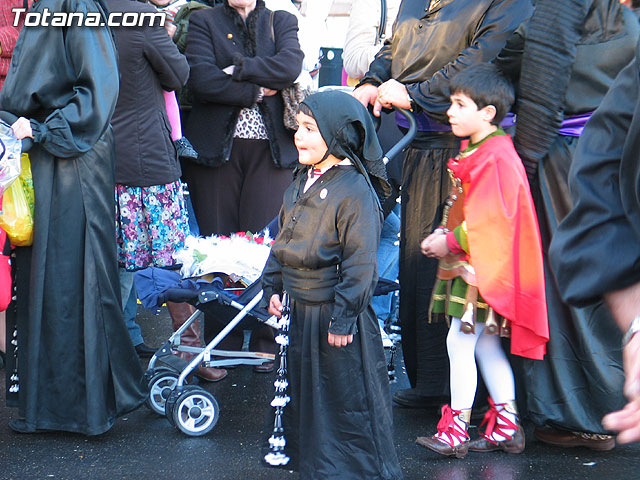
(465, 117)
(161, 3)
(309, 142)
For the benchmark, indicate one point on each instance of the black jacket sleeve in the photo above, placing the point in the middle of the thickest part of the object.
(509, 60)
(358, 221)
(280, 70)
(83, 116)
(272, 273)
(208, 82)
(165, 59)
(380, 69)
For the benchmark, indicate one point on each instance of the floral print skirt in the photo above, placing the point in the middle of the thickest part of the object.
(151, 224)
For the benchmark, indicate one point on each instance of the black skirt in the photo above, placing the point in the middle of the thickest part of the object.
(339, 422)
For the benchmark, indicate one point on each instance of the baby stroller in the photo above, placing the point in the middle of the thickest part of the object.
(187, 406)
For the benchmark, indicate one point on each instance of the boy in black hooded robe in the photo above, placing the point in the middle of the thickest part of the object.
(338, 423)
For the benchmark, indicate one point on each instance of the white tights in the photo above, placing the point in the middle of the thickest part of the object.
(464, 349)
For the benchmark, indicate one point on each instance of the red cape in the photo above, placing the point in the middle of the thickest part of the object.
(504, 241)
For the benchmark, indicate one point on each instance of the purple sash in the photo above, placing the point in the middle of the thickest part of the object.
(574, 125)
(508, 121)
(427, 124)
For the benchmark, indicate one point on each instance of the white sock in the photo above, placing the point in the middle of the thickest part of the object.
(462, 364)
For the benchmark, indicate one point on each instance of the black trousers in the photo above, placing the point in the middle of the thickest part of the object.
(425, 186)
(244, 194)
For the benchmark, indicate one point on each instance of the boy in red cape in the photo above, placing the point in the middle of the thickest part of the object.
(490, 276)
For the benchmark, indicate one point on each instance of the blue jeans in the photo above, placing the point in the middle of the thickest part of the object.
(129, 306)
(388, 263)
(193, 223)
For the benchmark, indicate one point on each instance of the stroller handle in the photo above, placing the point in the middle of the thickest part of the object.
(9, 118)
(408, 137)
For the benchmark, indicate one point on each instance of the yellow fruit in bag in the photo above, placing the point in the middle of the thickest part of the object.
(27, 180)
(16, 216)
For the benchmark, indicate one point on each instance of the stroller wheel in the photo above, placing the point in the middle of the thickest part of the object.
(149, 374)
(160, 387)
(154, 371)
(170, 405)
(196, 411)
(172, 399)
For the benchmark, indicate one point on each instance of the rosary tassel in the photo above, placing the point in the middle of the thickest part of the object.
(277, 442)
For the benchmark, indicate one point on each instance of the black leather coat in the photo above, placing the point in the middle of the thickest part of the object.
(68, 291)
(465, 32)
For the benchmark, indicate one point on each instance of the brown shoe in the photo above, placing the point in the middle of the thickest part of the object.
(498, 421)
(266, 367)
(514, 445)
(451, 432)
(435, 445)
(567, 439)
(210, 374)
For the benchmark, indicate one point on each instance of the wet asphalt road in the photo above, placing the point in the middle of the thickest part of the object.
(144, 446)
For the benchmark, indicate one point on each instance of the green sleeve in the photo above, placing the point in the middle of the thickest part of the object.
(461, 237)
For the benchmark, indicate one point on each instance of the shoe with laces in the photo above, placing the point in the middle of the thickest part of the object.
(452, 439)
(501, 432)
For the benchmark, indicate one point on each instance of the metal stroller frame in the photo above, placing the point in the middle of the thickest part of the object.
(189, 407)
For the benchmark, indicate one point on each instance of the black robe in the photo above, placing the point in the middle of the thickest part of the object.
(426, 50)
(595, 249)
(581, 377)
(76, 365)
(338, 424)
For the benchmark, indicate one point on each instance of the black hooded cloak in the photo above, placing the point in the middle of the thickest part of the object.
(76, 365)
(338, 424)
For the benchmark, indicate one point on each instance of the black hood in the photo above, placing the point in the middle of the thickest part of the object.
(347, 129)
